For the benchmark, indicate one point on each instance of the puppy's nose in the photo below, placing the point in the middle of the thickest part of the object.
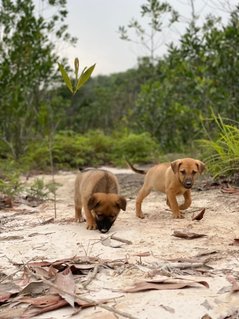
(188, 183)
(104, 230)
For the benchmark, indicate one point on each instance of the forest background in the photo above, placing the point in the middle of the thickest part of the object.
(185, 102)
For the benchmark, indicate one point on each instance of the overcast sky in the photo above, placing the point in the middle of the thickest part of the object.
(95, 23)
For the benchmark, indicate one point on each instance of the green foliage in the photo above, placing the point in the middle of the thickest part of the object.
(221, 153)
(165, 97)
(71, 150)
(167, 120)
(10, 183)
(138, 148)
(27, 68)
(41, 191)
(79, 80)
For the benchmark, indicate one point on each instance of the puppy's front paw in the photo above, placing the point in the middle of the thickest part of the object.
(91, 226)
(178, 215)
(79, 220)
(140, 215)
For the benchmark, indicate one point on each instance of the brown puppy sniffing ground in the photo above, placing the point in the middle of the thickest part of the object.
(97, 192)
(173, 179)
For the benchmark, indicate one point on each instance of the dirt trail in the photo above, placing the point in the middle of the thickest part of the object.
(154, 253)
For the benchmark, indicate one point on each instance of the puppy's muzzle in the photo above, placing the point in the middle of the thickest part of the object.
(104, 224)
(187, 183)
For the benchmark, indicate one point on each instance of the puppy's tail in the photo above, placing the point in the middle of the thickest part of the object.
(136, 170)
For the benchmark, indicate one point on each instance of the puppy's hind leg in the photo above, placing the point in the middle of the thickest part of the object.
(144, 192)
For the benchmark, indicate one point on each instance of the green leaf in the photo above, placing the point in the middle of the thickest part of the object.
(65, 77)
(76, 67)
(85, 75)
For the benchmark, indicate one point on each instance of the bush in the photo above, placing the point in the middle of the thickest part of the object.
(138, 148)
(71, 150)
(221, 153)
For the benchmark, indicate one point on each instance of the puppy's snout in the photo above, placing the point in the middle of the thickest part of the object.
(188, 183)
(104, 224)
(104, 230)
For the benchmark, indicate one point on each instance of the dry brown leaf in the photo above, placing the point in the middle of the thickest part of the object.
(47, 221)
(42, 304)
(187, 235)
(4, 296)
(41, 301)
(7, 290)
(34, 288)
(66, 284)
(235, 242)
(200, 215)
(164, 284)
(230, 190)
(234, 282)
(11, 313)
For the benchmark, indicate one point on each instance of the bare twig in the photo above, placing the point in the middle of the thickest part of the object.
(180, 265)
(91, 276)
(122, 240)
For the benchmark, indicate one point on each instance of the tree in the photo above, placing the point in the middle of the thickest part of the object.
(161, 15)
(27, 68)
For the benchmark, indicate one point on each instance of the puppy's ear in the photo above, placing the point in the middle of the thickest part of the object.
(175, 165)
(121, 202)
(201, 166)
(93, 202)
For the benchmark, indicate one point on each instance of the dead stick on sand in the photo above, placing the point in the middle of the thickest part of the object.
(128, 242)
(108, 308)
(91, 276)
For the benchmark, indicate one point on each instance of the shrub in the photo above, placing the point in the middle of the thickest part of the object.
(138, 148)
(222, 152)
(71, 150)
(41, 191)
(10, 183)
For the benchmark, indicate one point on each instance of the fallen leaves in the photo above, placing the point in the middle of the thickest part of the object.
(187, 235)
(234, 282)
(230, 190)
(46, 286)
(165, 284)
(66, 286)
(200, 215)
(235, 242)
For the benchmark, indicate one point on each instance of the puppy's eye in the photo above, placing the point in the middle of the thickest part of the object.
(194, 172)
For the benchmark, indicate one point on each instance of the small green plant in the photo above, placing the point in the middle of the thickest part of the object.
(41, 191)
(221, 153)
(11, 185)
(75, 85)
(10, 182)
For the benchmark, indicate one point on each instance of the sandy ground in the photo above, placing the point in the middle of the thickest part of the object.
(154, 253)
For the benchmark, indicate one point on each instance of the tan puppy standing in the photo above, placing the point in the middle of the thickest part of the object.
(96, 191)
(173, 179)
